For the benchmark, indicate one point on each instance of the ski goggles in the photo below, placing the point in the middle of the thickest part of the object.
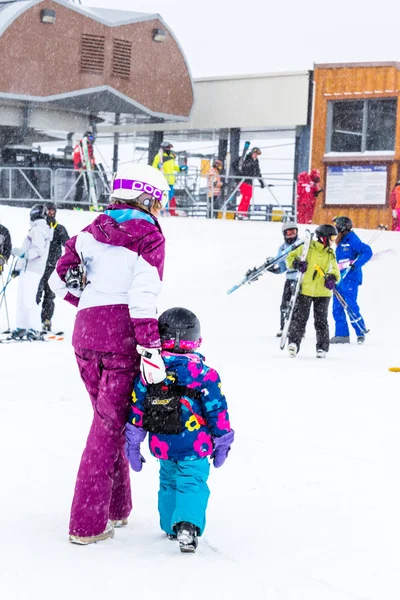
(142, 187)
(290, 232)
(188, 345)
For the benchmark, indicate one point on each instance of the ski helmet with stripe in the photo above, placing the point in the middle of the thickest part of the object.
(290, 231)
(38, 211)
(132, 181)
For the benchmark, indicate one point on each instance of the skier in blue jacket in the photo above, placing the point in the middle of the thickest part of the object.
(290, 232)
(351, 255)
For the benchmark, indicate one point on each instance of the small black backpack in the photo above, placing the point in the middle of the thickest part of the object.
(163, 407)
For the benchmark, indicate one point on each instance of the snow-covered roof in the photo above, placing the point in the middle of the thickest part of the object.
(112, 18)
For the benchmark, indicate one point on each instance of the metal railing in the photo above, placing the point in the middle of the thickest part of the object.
(194, 195)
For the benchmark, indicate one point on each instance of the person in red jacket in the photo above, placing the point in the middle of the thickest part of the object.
(308, 188)
(80, 166)
(395, 206)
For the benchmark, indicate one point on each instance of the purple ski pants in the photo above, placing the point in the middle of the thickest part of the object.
(102, 489)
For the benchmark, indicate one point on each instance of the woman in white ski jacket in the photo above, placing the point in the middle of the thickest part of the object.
(30, 266)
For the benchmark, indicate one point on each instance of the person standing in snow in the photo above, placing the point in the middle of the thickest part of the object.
(395, 206)
(78, 158)
(250, 169)
(308, 188)
(60, 237)
(290, 233)
(165, 161)
(321, 272)
(214, 187)
(5, 246)
(112, 272)
(187, 418)
(30, 266)
(351, 255)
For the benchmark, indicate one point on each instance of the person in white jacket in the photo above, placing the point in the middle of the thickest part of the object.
(30, 266)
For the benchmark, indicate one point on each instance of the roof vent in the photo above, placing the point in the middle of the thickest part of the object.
(92, 53)
(121, 60)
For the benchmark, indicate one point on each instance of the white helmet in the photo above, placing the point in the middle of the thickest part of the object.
(132, 181)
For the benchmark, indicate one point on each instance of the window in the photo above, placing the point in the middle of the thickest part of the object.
(361, 125)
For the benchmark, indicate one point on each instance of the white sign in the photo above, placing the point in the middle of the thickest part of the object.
(356, 185)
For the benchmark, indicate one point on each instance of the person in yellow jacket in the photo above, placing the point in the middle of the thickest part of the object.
(320, 274)
(165, 161)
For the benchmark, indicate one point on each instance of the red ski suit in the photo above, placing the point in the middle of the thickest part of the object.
(307, 191)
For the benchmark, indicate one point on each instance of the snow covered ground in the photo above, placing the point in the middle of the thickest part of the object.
(307, 505)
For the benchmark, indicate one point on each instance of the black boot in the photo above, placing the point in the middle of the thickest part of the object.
(187, 536)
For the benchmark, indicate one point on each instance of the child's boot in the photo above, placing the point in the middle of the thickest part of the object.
(187, 536)
(292, 349)
(321, 353)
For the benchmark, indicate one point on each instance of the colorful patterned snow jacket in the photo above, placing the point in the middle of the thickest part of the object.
(203, 418)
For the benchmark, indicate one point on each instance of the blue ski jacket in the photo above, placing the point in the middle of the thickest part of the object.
(290, 273)
(351, 250)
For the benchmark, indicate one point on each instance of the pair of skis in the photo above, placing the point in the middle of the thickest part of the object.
(5, 338)
(254, 274)
(292, 302)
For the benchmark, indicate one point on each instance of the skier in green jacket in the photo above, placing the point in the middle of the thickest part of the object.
(320, 274)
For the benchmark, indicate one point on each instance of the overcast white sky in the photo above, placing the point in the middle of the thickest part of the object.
(228, 37)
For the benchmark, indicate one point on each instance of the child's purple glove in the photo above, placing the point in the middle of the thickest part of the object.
(330, 281)
(222, 445)
(134, 437)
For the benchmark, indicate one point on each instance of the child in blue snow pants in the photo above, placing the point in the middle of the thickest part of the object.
(184, 493)
(339, 313)
(187, 418)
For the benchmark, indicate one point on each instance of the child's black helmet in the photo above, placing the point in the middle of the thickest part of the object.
(325, 233)
(343, 224)
(179, 330)
(38, 211)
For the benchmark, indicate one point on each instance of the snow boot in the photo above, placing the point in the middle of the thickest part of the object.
(340, 339)
(187, 536)
(360, 339)
(292, 349)
(321, 353)
(46, 325)
(279, 334)
(32, 335)
(18, 333)
(92, 539)
(116, 523)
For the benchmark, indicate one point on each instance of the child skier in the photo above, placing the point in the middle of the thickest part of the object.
(351, 254)
(187, 420)
(320, 273)
(30, 266)
(290, 233)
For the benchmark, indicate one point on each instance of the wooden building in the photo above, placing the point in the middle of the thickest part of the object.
(356, 140)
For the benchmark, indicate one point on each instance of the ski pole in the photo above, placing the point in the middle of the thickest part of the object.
(352, 316)
(8, 278)
(5, 304)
